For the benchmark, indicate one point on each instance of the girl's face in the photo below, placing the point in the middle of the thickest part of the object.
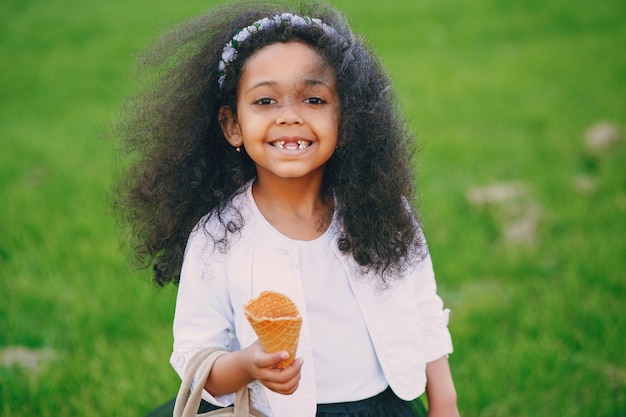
(287, 112)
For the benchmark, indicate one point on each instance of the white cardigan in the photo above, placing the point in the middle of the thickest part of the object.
(406, 322)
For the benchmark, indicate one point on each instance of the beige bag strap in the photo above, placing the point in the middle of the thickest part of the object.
(188, 400)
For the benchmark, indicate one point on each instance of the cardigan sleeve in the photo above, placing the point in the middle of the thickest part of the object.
(438, 341)
(203, 316)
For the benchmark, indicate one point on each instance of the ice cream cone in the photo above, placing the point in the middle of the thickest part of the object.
(276, 321)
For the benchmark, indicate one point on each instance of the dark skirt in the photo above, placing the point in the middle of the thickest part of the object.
(385, 404)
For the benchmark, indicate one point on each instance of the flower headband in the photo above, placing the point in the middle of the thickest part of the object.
(229, 53)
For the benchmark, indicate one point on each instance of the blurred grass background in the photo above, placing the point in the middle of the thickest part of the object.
(520, 113)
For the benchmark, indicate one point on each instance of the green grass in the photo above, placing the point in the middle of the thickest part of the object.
(498, 92)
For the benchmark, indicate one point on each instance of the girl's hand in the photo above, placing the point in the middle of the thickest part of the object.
(262, 367)
(237, 369)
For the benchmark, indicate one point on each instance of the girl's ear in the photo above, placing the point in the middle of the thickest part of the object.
(230, 127)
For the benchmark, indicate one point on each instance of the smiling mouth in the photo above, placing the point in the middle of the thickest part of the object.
(291, 144)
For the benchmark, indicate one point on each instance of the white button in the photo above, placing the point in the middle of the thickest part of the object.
(179, 360)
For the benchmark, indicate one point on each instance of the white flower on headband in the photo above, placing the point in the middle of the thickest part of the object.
(298, 21)
(264, 23)
(229, 53)
(242, 36)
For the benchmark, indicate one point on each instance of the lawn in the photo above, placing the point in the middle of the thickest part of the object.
(520, 114)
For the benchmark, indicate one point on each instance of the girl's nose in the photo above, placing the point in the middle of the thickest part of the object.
(288, 115)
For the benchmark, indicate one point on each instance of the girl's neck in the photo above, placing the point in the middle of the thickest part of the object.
(296, 208)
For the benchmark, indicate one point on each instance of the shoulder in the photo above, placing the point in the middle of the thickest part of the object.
(219, 228)
(228, 214)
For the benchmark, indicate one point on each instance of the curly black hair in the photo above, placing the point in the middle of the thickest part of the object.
(183, 167)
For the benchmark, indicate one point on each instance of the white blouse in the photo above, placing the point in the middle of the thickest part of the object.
(346, 366)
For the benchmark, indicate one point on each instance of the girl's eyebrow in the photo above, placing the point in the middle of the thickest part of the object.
(309, 82)
(261, 84)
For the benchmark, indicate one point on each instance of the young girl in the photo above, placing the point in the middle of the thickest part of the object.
(271, 155)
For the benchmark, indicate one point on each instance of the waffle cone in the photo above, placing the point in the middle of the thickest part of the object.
(276, 321)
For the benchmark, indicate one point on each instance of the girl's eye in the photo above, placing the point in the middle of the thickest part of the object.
(314, 100)
(264, 101)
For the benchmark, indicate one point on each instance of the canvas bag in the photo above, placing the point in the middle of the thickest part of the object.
(188, 400)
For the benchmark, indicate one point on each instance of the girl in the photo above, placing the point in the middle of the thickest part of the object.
(270, 155)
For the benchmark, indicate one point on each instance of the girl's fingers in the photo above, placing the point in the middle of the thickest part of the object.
(270, 360)
(284, 381)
